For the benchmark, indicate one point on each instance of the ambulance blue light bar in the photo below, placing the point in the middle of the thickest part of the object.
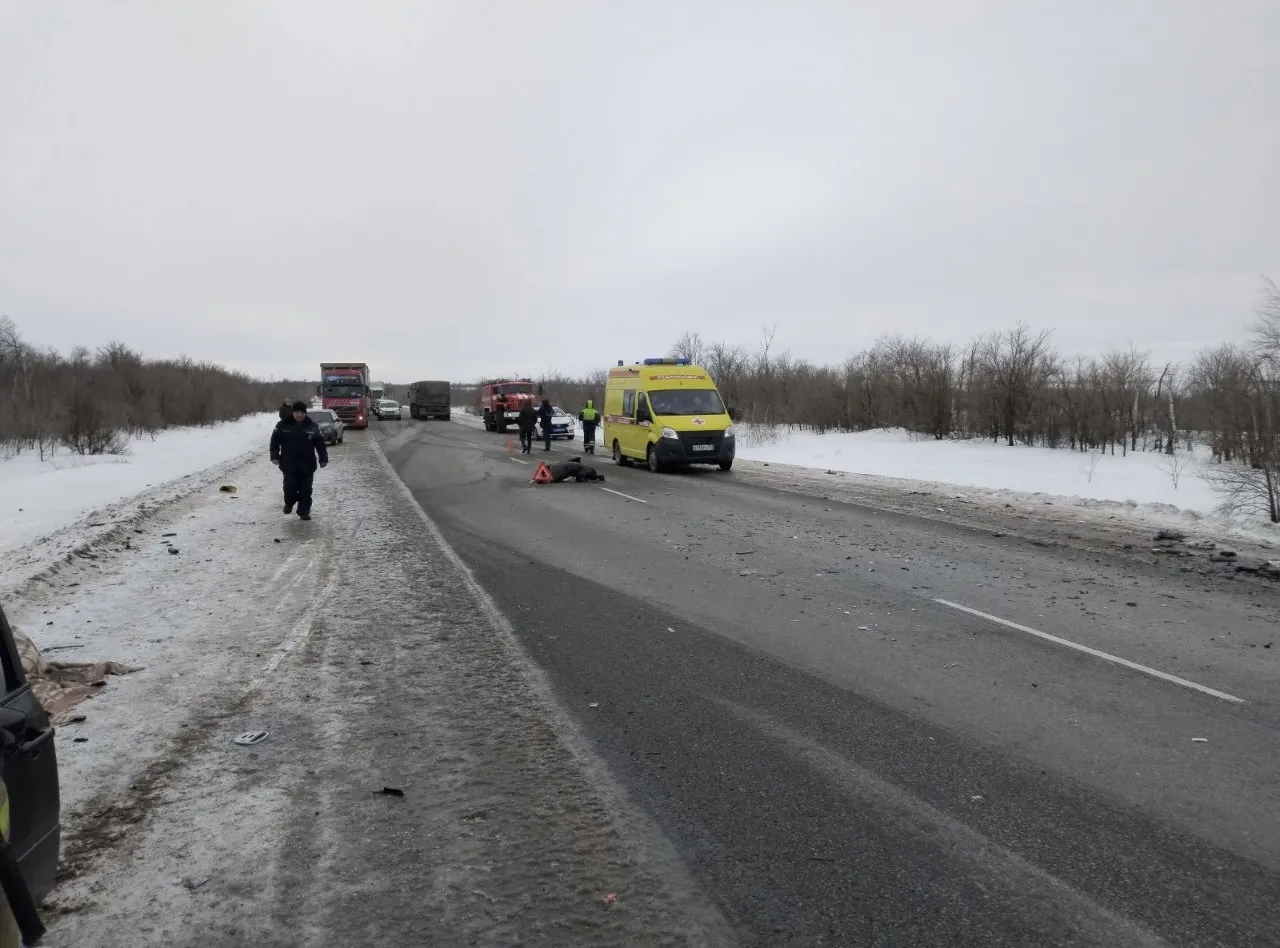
(668, 361)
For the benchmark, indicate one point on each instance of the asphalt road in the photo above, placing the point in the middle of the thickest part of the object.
(851, 725)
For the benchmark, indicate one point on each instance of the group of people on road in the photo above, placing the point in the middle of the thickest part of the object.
(530, 418)
(298, 448)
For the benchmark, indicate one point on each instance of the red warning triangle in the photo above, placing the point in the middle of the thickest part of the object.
(543, 474)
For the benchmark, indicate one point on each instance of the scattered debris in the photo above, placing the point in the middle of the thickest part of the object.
(594, 704)
(1200, 740)
(194, 884)
(610, 899)
(174, 551)
(227, 488)
(952, 665)
(57, 648)
(1174, 536)
(250, 737)
(389, 792)
(747, 572)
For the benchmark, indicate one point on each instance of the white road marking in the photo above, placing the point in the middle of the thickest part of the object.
(1155, 673)
(628, 496)
(517, 460)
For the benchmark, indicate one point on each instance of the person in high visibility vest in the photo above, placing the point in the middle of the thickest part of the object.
(589, 418)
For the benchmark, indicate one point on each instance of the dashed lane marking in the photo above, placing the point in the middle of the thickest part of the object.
(1105, 656)
(621, 494)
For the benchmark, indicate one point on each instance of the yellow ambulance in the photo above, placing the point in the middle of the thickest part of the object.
(666, 413)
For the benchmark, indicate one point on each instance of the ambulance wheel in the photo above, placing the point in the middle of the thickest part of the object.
(618, 459)
(652, 457)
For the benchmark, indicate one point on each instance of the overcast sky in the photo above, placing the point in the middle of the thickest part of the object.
(450, 189)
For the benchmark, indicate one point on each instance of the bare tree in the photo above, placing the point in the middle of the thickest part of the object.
(690, 346)
(1019, 364)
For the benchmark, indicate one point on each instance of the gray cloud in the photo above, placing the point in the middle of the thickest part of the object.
(457, 188)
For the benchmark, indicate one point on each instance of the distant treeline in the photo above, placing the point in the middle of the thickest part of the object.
(94, 402)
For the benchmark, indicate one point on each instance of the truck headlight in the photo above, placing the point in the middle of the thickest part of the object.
(729, 432)
(670, 433)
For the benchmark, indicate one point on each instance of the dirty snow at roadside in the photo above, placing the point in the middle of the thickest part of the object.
(359, 645)
(49, 508)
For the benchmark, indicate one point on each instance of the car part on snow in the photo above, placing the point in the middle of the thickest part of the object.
(249, 738)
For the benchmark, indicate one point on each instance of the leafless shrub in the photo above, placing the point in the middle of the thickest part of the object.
(1175, 465)
(1091, 465)
(1245, 490)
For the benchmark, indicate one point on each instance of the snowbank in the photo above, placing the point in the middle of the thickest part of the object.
(40, 497)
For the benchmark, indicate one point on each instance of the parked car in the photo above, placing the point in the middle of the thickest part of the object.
(386, 408)
(330, 424)
(29, 769)
(562, 424)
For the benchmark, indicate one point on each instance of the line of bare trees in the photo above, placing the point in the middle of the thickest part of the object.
(1014, 387)
(95, 402)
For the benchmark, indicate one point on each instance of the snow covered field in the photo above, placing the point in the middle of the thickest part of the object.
(48, 508)
(1142, 477)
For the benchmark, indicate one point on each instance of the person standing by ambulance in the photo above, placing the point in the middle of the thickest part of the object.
(589, 418)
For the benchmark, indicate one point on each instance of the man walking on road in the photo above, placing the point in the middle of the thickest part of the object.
(526, 421)
(295, 446)
(589, 418)
(545, 414)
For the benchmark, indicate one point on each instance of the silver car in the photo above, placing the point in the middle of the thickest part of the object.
(330, 425)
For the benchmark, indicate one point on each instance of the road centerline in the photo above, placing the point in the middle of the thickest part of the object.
(1096, 653)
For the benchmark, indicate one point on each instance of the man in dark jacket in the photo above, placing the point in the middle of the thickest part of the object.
(545, 414)
(526, 421)
(295, 445)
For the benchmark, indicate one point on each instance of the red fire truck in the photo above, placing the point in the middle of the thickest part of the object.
(502, 399)
(344, 388)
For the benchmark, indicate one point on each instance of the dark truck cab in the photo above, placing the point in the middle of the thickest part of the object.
(29, 768)
(431, 399)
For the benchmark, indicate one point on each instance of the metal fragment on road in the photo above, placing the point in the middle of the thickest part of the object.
(250, 737)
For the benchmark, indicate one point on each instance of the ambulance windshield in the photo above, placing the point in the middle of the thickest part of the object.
(685, 401)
